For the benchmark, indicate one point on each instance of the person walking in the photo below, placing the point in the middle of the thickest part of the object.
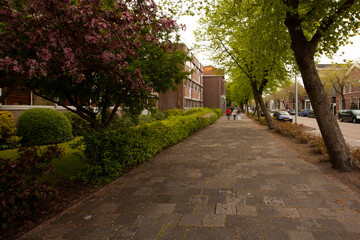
(234, 113)
(228, 113)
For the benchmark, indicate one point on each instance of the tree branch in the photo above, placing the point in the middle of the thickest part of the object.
(326, 23)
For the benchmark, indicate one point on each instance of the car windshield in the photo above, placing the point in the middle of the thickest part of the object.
(283, 113)
(356, 111)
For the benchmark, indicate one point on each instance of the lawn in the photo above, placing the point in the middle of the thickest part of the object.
(67, 167)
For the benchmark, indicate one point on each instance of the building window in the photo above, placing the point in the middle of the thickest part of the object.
(351, 87)
(345, 88)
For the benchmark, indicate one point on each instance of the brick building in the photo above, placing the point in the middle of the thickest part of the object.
(189, 93)
(351, 88)
(214, 88)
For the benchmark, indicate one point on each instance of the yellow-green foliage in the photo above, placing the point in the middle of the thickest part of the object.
(110, 153)
(8, 136)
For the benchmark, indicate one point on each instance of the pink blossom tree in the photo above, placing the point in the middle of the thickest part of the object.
(89, 54)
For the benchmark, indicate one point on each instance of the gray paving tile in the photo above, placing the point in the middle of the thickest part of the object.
(228, 180)
(213, 220)
(223, 234)
(191, 220)
(174, 233)
(199, 234)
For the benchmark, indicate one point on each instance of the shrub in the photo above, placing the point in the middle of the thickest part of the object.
(110, 153)
(79, 126)
(193, 110)
(20, 189)
(40, 126)
(219, 112)
(155, 115)
(174, 112)
(8, 138)
(320, 148)
(355, 152)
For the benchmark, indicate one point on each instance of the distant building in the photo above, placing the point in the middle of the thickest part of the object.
(214, 88)
(351, 88)
(189, 93)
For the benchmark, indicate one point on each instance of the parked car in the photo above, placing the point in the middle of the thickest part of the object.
(283, 116)
(311, 114)
(291, 112)
(303, 112)
(351, 115)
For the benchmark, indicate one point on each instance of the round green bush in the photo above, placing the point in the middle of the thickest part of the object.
(39, 126)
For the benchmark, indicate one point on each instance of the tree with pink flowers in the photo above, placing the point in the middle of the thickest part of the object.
(89, 54)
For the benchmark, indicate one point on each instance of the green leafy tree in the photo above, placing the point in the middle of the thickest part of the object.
(312, 28)
(334, 78)
(236, 45)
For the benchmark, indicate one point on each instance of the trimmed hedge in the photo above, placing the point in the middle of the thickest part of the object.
(39, 126)
(110, 153)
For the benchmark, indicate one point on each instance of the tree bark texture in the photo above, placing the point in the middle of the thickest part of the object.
(338, 151)
(259, 100)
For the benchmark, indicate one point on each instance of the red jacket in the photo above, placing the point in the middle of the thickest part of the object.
(228, 112)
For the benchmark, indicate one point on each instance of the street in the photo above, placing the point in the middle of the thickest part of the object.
(351, 131)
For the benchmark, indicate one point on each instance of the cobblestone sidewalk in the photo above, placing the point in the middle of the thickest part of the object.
(231, 180)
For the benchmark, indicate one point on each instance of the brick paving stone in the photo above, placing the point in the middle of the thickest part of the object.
(275, 234)
(213, 199)
(249, 234)
(149, 219)
(309, 212)
(259, 222)
(267, 211)
(205, 209)
(246, 210)
(161, 199)
(301, 235)
(195, 233)
(326, 235)
(287, 212)
(330, 225)
(169, 219)
(213, 220)
(284, 223)
(227, 191)
(148, 232)
(223, 234)
(330, 213)
(199, 199)
(307, 224)
(234, 200)
(225, 209)
(174, 233)
(349, 235)
(256, 201)
(124, 232)
(273, 201)
(191, 220)
(236, 221)
(184, 208)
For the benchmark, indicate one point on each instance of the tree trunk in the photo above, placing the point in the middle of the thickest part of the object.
(258, 99)
(343, 102)
(338, 151)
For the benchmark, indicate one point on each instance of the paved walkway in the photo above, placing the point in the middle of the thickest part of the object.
(232, 180)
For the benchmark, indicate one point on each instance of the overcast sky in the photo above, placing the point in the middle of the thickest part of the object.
(351, 52)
